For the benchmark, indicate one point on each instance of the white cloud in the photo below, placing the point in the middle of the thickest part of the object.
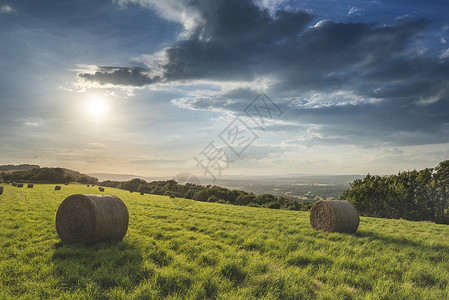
(171, 10)
(271, 5)
(445, 54)
(355, 11)
(7, 9)
(32, 122)
(320, 23)
(154, 62)
(168, 9)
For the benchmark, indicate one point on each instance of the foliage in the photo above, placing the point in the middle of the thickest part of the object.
(23, 167)
(49, 175)
(214, 251)
(412, 195)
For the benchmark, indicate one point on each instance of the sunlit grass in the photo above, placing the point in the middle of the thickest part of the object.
(207, 250)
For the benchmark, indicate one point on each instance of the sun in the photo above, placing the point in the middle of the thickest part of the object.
(97, 107)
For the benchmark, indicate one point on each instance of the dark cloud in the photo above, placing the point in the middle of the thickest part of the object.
(238, 40)
(230, 42)
(120, 76)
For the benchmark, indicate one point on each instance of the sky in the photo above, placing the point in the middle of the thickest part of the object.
(225, 87)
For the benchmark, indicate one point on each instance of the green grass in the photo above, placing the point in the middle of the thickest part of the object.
(199, 250)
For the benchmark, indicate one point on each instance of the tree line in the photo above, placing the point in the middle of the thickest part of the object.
(208, 193)
(48, 175)
(412, 195)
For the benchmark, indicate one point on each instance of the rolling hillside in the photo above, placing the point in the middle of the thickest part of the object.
(182, 249)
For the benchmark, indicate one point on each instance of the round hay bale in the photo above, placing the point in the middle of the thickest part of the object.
(14, 184)
(1, 190)
(20, 185)
(101, 189)
(88, 185)
(334, 216)
(91, 218)
(30, 185)
(131, 191)
(57, 188)
(142, 193)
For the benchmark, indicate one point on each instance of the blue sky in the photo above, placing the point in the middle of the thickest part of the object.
(155, 88)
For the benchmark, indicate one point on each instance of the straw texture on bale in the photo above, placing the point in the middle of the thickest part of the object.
(57, 188)
(91, 218)
(30, 185)
(334, 216)
(1, 190)
(20, 185)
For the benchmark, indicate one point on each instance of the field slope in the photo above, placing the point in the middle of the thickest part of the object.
(183, 249)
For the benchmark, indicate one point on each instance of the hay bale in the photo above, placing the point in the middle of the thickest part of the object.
(30, 185)
(334, 216)
(101, 189)
(91, 218)
(57, 188)
(66, 183)
(14, 184)
(1, 190)
(142, 193)
(20, 185)
(88, 185)
(131, 191)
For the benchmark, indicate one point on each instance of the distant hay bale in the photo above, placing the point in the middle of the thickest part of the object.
(101, 189)
(57, 188)
(20, 185)
(142, 193)
(1, 190)
(88, 185)
(91, 218)
(14, 184)
(334, 216)
(30, 185)
(66, 183)
(131, 191)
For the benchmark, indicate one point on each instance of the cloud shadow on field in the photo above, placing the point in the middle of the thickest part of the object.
(100, 267)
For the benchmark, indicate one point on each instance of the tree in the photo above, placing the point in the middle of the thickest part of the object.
(212, 198)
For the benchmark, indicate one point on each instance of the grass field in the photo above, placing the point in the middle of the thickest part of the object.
(195, 250)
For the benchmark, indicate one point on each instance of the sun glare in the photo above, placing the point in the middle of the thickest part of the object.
(97, 107)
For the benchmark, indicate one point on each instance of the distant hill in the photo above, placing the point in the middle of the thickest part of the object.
(122, 177)
(23, 167)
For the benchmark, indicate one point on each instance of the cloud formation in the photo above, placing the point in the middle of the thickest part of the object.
(7, 9)
(121, 76)
(370, 77)
(241, 41)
